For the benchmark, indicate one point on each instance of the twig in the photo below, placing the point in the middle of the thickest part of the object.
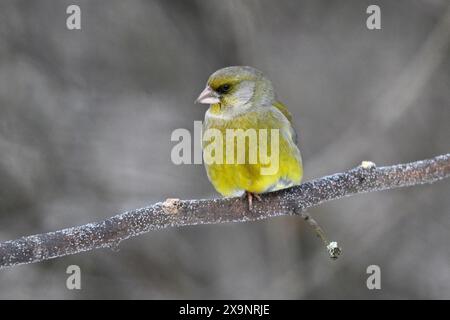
(176, 213)
(333, 249)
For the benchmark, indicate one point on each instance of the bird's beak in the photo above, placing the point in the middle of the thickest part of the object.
(208, 96)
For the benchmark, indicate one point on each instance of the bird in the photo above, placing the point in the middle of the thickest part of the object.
(243, 98)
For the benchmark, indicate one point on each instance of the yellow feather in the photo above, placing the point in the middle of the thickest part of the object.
(234, 179)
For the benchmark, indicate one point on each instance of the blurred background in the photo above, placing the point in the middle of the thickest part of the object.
(86, 118)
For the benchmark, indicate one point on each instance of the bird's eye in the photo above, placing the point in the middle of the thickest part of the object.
(224, 88)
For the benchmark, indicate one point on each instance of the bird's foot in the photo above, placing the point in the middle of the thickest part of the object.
(250, 196)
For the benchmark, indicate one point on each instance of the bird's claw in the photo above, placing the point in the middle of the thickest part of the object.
(250, 196)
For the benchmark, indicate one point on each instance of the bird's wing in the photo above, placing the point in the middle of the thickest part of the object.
(284, 110)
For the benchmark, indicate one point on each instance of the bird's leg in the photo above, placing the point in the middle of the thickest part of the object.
(250, 196)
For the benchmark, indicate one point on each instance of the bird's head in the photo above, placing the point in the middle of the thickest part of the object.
(237, 89)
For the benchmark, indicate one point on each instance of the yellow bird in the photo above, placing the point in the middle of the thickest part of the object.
(242, 101)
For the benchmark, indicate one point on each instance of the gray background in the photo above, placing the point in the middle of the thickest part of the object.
(86, 118)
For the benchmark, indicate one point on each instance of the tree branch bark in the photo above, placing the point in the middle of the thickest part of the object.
(175, 213)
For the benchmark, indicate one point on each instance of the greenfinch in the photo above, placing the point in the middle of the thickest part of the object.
(242, 99)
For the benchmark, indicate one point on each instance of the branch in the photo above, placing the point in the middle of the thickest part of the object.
(176, 213)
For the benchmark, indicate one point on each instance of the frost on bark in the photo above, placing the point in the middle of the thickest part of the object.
(176, 213)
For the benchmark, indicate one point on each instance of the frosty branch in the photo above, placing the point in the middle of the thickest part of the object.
(176, 213)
